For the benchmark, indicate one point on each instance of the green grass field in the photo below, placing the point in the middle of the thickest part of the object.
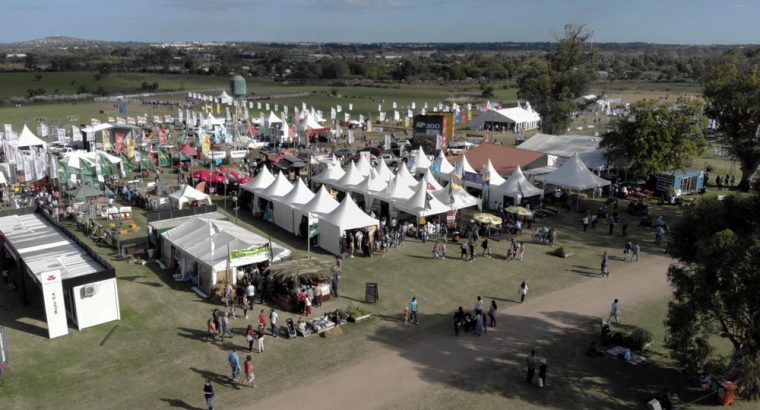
(158, 338)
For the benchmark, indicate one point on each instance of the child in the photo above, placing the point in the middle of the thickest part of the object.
(407, 314)
(486, 249)
(464, 251)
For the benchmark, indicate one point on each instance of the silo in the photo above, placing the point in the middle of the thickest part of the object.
(238, 86)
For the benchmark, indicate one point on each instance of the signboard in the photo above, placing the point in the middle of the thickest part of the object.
(3, 352)
(73, 118)
(55, 309)
(216, 155)
(263, 249)
(429, 125)
(238, 154)
(371, 294)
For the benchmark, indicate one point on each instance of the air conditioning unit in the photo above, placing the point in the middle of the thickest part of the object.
(89, 291)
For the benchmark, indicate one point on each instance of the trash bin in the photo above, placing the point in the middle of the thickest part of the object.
(727, 393)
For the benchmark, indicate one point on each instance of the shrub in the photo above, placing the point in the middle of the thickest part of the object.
(639, 338)
(563, 252)
(355, 310)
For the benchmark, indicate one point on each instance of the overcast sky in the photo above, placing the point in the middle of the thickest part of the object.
(656, 21)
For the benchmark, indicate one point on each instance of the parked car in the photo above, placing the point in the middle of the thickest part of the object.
(389, 159)
(344, 152)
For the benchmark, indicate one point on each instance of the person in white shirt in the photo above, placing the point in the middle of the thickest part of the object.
(273, 323)
(479, 306)
(614, 310)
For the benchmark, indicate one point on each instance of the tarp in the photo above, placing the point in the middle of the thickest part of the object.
(576, 175)
(333, 225)
(187, 194)
(564, 146)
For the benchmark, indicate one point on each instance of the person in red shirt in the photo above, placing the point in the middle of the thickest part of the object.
(248, 366)
(262, 321)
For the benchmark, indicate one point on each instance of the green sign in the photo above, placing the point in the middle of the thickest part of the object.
(263, 249)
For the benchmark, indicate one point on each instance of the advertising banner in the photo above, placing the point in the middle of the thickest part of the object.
(55, 309)
(120, 141)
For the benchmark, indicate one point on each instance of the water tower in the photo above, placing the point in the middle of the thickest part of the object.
(238, 87)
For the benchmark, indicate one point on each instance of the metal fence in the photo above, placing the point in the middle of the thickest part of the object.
(178, 213)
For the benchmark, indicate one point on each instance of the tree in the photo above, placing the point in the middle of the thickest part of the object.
(732, 92)
(487, 91)
(552, 83)
(656, 136)
(717, 284)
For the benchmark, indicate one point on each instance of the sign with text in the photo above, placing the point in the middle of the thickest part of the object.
(55, 308)
(216, 155)
(238, 154)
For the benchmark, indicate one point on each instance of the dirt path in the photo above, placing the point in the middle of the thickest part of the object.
(386, 379)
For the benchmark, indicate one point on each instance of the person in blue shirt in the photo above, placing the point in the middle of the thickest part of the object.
(234, 360)
(413, 308)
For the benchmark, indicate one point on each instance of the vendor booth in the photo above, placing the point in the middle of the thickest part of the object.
(206, 251)
(260, 182)
(284, 206)
(346, 216)
(330, 175)
(263, 198)
(322, 203)
(289, 277)
(574, 174)
(515, 188)
(188, 196)
(74, 282)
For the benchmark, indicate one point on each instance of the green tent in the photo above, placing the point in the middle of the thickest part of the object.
(128, 166)
(85, 191)
(164, 157)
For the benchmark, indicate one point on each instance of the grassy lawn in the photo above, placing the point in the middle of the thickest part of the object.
(162, 321)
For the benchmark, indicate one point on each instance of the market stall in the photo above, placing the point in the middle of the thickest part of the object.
(346, 216)
(284, 206)
(188, 196)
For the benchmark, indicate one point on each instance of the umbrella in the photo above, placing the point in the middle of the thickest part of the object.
(208, 176)
(243, 180)
(519, 210)
(486, 218)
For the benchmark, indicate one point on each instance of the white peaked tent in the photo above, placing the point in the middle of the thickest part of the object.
(27, 139)
(285, 137)
(330, 175)
(273, 119)
(3, 180)
(321, 204)
(429, 181)
(372, 184)
(516, 186)
(466, 167)
(421, 161)
(383, 172)
(225, 98)
(284, 206)
(457, 198)
(260, 182)
(346, 216)
(210, 121)
(404, 177)
(281, 186)
(574, 174)
(188, 194)
(442, 166)
(191, 246)
(350, 179)
(422, 203)
(493, 176)
(363, 165)
(395, 192)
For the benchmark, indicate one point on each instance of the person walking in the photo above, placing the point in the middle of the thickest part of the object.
(273, 322)
(250, 291)
(250, 336)
(486, 249)
(208, 394)
(260, 340)
(628, 250)
(614, 311)
(635, 252)
(478, 324)
(585, 222)
(234, 361)
(217, 316)
(413, 308)
(248, 366)
(542, 373)
(335, 283)
(262, 321)
(492, 314)
(435, 250)
(226, 327)
(318, 296)
(523, 291)
(246, 305)
(594, 219)
(463, 247)
(532, 362)
(613, 222)
(471, 245)
(521, 251)
(443, 249)
(458, 321)
(212, 332)
(605, 265)
(228, 296)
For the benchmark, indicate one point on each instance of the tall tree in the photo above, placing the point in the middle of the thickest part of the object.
(656, 136)
(732, 91)
(717, 284)
(553, 82)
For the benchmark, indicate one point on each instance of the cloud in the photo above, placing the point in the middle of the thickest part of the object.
(360, 5)
(206, 5)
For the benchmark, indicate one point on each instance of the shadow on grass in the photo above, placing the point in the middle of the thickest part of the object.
(217, 378)
(459, 363)
(501, 299)
(181, 404)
